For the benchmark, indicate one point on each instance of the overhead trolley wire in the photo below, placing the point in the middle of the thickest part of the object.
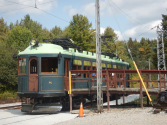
(146, 31)
(28, 5)
(133, 61)
(11, 4)
(36, 8)
(52, 15)
(132, 18)
(128, 15)
(119, 28)
(24, 5)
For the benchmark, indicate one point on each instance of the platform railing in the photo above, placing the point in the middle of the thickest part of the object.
(119, 80)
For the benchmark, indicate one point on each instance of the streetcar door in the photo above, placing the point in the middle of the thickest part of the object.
(33, 75)
(66, 73)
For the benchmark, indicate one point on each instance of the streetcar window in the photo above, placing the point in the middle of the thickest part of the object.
(124, 67)
(109, 66)
(33, 66)
(119, 67)
(22, 66)
(93, 68)
(93, 65)
(87, 66)
(49, 65)
(77, 65)
(103, 65)
(114, 66)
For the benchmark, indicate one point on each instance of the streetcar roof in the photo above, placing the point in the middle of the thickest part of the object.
(49, 48)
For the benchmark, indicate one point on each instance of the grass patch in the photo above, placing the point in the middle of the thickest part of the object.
(8, 95)
(137, 101)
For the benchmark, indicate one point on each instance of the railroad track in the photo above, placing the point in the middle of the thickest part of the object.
(12, 107)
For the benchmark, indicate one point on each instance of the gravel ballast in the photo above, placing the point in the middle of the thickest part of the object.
(121, 116)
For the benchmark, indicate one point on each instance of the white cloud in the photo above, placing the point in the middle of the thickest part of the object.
(142, 11)
(72, 12)
(66, 8)
(88, 10)
(102, 30)
(139, 31)
(26, 6)
(120, 37)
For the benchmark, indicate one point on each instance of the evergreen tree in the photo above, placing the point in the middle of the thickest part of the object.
(164, 27)
(56, 32)
(109, 45)
(3, 30)
(34, 27)
(81, 32)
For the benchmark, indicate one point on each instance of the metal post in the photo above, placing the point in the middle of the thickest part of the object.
(70, 95)
(98, 60)
(69, 92)
(160, 53)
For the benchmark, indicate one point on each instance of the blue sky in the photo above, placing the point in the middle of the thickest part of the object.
(133, 16)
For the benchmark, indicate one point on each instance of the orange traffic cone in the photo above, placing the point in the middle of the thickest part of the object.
(81, 111)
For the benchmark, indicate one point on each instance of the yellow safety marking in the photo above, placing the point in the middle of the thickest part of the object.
(142, 82)
(69, 92)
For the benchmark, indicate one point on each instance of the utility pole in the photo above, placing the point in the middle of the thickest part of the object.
(98, 59)
(160, 53)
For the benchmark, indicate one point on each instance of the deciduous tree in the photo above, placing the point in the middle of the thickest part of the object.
(81, 31)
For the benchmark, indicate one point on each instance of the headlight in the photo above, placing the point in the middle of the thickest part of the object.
(34, 42)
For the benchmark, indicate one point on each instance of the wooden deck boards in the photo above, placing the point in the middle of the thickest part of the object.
(152, 90)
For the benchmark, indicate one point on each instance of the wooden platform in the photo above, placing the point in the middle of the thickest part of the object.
(115, 82)
(117, 90)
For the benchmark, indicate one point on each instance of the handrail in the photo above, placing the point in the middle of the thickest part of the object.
(121, 73)
(69, 92)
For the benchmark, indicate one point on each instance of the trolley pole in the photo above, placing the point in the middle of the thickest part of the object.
(98, 60)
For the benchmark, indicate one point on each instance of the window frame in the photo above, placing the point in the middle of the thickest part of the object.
(19, 66)
(119, 66)
(76, 67)
(114, 65)
(110, 67)
(50, 72)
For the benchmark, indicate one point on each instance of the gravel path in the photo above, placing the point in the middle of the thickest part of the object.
(121, 116)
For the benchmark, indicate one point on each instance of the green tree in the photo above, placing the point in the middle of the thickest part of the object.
(120, 49)
(110, 44)
(8, 68)
(19, 37)
(3, 30)
(45, 34)
(34, 27)
(164, 27)
(81, 32)
(56, 32)
(11, 26)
